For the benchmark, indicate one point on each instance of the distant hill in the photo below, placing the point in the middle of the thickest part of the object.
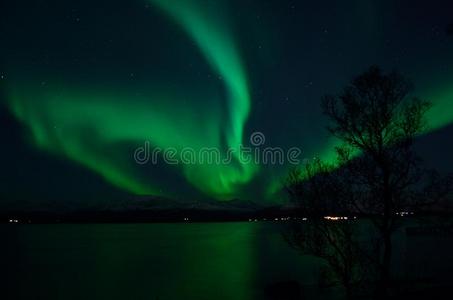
(164, 203)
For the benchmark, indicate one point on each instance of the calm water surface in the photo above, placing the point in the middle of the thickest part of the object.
(177, 261)
(148, 261)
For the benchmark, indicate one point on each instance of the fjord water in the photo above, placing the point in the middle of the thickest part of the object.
(148, 261)
(199, 261)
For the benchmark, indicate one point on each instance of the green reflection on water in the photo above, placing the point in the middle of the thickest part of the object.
(132, 261)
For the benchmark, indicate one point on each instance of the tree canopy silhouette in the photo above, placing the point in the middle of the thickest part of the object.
(377, 122)
(315, 189)
(378, 172)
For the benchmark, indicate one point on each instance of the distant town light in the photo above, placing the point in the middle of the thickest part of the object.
(335, 218)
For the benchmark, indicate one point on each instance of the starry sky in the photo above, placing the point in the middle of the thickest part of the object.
(84, 83)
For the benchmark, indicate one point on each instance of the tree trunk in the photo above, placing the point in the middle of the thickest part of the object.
(386, 234)
(383, 283)
(385, 267)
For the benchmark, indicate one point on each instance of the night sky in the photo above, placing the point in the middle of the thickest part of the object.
(84, 83)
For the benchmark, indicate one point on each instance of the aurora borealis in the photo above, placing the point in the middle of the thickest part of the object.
(87, 83)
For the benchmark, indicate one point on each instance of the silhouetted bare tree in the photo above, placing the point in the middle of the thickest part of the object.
(377, 123)
(377, 174)
(318, 192)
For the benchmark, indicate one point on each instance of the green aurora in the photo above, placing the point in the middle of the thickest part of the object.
(60, 120)
(90, 124)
